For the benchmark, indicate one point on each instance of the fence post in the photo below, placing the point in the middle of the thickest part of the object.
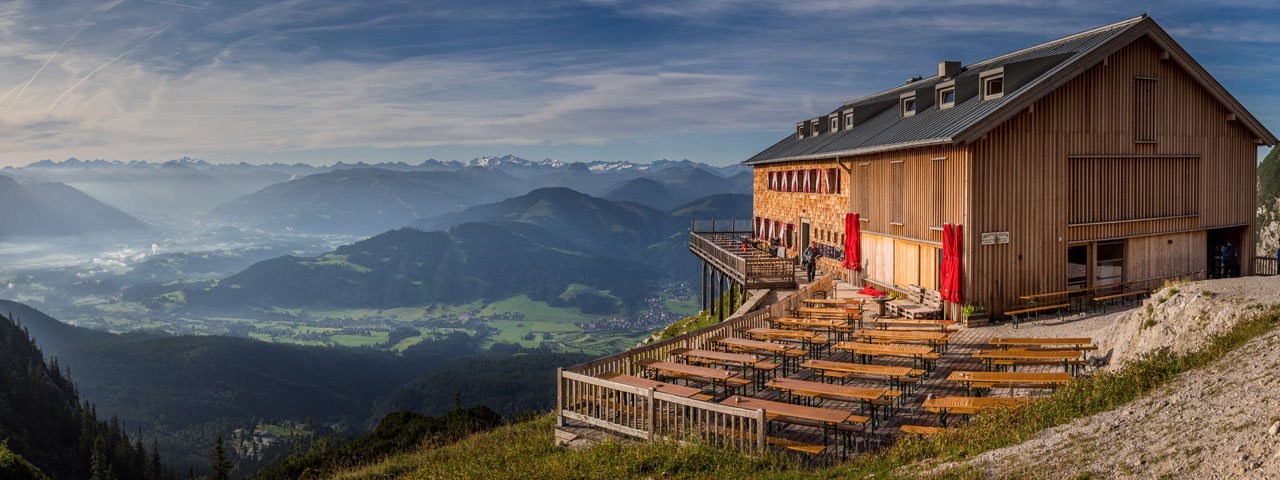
(650, 423)
(559, 397)
(762, 424)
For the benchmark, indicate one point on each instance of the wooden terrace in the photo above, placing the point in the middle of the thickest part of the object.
(776, 378)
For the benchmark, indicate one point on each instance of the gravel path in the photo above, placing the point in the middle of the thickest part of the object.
(1222, 421)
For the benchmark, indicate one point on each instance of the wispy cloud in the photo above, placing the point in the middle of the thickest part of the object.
(242, 79)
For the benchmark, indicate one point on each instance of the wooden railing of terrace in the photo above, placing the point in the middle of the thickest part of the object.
(718, 242)
(1266, 266)
(648, 414)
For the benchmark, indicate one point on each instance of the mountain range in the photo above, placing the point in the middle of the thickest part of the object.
(365, 200)
(410, 267)
(538, 244)
(44, 209)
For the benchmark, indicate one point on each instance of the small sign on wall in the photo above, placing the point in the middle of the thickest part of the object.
(993, 238)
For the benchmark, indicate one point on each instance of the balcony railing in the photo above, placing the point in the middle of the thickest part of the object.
(719, 242)
(1266, 266)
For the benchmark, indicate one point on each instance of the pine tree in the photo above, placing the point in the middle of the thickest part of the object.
(156, 469)
(100, 463)
(218, 462)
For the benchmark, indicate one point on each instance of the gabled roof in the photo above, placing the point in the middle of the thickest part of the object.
(1049, 65)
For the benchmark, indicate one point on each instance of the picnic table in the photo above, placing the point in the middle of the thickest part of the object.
(830, 327)
(865, 396)
(807, 338)
(895, 377)
(678, 390)
(987, 380)
(1006, 342)
(829, 419)
(784, 354)
(937, 340)
(835, 301)
(1070, 359)
(945, 406)
(758, 366)
(884, 323)
(849, 315)
(921, 355)
(714, 376)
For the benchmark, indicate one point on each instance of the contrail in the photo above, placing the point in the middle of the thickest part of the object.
(176, 4)
(105, 65)
(41, 69)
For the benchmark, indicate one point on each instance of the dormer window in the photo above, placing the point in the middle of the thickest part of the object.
(909, 106)
(947, 98)
(848, 120)
(800, 130)
(835, 124)
(993, 85)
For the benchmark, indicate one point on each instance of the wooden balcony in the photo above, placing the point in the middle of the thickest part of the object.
(719, 243)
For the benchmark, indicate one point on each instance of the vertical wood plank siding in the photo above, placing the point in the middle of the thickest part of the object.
(1022, 179)
(1109, 189)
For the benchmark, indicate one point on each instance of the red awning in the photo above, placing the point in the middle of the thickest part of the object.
(950, 288)
(852, 243)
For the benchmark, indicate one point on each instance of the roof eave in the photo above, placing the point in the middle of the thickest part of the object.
(857, 151)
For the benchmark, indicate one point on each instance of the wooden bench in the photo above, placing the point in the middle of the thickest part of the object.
(929, 304)
(1035, 311)
(914, 323)
(923, 430)
(795, 446)
(844, 431)
(1123, 296)
(1020, 363)
(783, 443)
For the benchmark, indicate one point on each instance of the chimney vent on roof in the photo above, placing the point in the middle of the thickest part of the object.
(948, 69)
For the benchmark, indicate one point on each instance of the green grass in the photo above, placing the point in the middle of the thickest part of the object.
(373, 338)
(697, 320)
(688, 307)
(14, 467)
(334, 260)
(525, 450)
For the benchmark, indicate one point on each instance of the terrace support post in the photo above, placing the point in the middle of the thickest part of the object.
(715, 295)
(559, 397)
(732, 296)
(704, 285)
(722, 294)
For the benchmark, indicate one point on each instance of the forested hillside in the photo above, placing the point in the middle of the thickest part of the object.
(43, 420)
(1269, 204)
(410, 267)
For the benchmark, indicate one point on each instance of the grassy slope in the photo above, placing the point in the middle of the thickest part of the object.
(14, 467)
(525, 450)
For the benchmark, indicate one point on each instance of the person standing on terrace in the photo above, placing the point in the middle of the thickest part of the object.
(811, 256)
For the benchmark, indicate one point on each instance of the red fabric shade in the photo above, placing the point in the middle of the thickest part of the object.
(852, 243)
(950, 288)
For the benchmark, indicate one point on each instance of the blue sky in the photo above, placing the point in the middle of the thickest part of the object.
(327, 80)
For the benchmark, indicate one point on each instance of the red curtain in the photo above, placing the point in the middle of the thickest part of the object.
(852, 243)
(951, 249)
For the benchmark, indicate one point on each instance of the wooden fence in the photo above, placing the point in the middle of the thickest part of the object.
(1266, 266)
(647, 414)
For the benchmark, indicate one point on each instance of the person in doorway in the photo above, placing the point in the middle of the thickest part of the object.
(810, 258)
(1231, 259)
